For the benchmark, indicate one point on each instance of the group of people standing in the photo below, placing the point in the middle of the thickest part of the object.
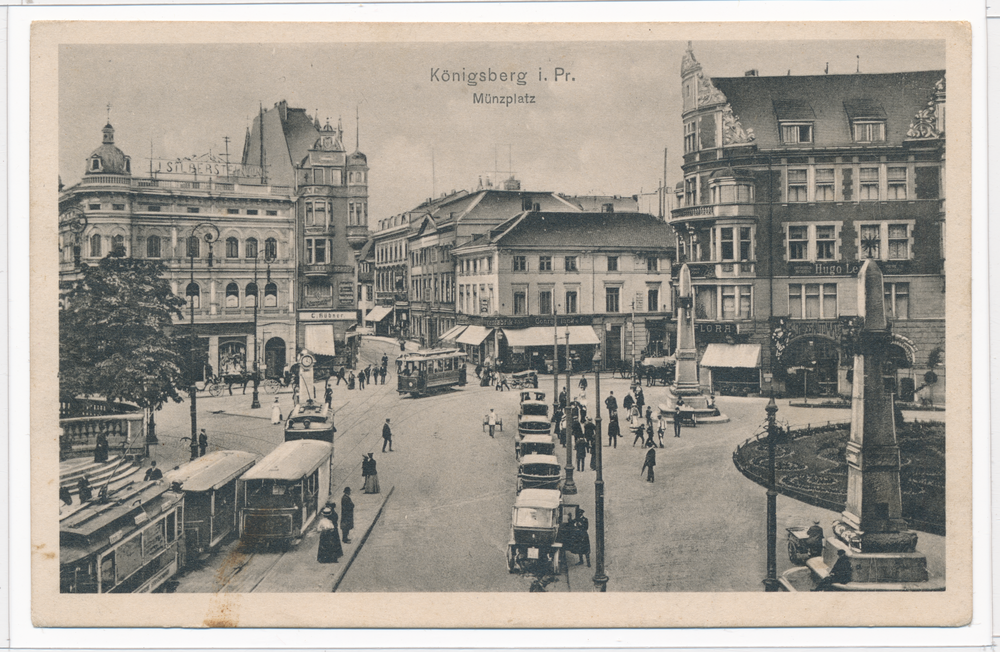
(330, 543)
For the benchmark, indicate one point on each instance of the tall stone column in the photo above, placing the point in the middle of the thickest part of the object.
(873, 533)
(686, 374)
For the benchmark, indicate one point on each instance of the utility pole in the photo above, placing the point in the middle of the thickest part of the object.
(600, 578)
(569, 486)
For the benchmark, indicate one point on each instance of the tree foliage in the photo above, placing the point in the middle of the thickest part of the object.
(115, 336)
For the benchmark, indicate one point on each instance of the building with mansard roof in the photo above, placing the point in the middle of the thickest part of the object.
(227, 241)
(790, 183)
(602, 277)
(331, 210)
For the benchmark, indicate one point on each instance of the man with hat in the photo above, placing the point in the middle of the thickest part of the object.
(386, 436)
(346, 514)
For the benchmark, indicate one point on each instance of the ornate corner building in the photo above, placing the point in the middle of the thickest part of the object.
(790, 183)
(272, 240)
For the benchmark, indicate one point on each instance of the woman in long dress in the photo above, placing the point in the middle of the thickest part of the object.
(371, 480)
(330, 549)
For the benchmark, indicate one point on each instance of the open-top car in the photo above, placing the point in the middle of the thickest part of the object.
(534, 531)
(538, 472)
(536, 445)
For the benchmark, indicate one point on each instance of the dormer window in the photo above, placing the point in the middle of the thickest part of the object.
(869, 131)
(795, 121)
(867, 120)
(95, 164)
(793, 133)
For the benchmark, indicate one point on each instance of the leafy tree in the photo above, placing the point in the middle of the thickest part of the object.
(115, 336)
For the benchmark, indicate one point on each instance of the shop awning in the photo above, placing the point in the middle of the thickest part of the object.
(454, 332)
(745, 356)
(319, 339)
(378, 313)
(544, 336)
(474, 335)
(532, 336)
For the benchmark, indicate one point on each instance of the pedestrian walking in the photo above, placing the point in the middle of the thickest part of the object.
(583, 384)
(328, 395)
(276, 412)
(628, 402)
(346, 514)
(677, 420)
(640, 398)
(557, 424)
(350, 381)
(385, 360)
(649, 463)
(649, 437)
(491, 421)
(203, 442)
(340, 375)
(581, 453)
(639, 432)
(361, 379)
(153, 473)
(581, 527)
(386, 436)
(385, 372)
(370, 471)
(613, 430)
(611, 403)
(562, 397)
(330, 550)
(661, 428)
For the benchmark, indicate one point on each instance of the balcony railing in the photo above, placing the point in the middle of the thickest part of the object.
(712, 211)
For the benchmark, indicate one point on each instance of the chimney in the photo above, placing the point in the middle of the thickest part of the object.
(751, 73)
(536, 207)
(607, 208)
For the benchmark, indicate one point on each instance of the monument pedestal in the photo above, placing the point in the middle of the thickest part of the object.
(874, 568)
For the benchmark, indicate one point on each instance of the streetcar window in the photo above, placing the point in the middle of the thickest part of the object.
(171, 527)
(107, 572)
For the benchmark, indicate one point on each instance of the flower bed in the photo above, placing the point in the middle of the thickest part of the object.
(810, 466)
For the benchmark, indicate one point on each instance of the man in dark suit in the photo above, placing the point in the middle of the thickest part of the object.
(346, 514)
(386, 436)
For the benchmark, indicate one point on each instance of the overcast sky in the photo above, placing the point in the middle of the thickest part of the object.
(603, 131)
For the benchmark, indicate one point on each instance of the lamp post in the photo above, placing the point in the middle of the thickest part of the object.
(555, 360)
(771, 583)
(569, 487)
(600, 578)
(211, 234)
(268, 259)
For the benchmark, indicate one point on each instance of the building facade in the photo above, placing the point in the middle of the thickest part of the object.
(790, 184)
(228, 243)
(603, 278)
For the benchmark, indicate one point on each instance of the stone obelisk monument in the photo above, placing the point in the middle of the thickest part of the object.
(873, 534)
(686, 373)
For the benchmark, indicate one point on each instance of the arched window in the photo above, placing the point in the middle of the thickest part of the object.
(232, 248)
(193, 247)
(270, 295)
(251, 248)
(153, 246)
(232, 296)
(193, 295)
(251, 295)
(118, 245)
(95, 245)
(271, 248)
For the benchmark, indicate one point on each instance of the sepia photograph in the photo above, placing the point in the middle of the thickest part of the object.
(417, 312)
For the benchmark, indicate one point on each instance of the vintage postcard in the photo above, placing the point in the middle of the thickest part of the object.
(390, 325)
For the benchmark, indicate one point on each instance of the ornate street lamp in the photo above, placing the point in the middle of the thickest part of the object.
(268, 258)
(600, 578)
(569, 487)
(771, 583)
(210, 233)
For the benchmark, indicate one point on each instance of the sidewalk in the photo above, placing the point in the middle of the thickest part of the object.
(236, 569)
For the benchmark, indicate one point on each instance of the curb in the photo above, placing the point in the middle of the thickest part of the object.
(361, 543)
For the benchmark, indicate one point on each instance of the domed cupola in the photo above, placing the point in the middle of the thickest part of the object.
(108, 159)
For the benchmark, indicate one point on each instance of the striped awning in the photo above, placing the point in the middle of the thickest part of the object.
(454, 332)
(474, 335)
(746, 356)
